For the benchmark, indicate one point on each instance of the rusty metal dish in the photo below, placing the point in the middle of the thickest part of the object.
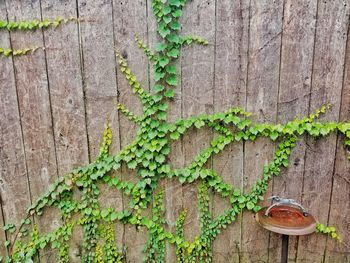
(286, 220)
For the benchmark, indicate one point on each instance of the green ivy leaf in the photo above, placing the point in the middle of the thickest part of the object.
(172, 80)
(250, 205)
(176, 3)
(170, 93)
(158, 88)
(164, 32)
(162, 115)
(160, 158)
(114, 216)
(132, 164)
(177, 13)
(173, 53)
(163, 61)
(173, 38)
(171, 69)
(160, 47)
(158, 75)
(175, 135)
(199, 124)
(167, 10)
(175, 25)
(274, 135)
(167, 19)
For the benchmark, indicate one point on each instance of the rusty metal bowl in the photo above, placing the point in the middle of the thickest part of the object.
(286, 220)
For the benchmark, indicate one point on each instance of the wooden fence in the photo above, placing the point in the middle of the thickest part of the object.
(277, 59)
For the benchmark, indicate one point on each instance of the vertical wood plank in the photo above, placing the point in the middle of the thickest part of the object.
(294, 94)
(35, 111)
(14, 190)
(232, 19)
(67, 97)
(262, 92)
(97, 38)
(197, 78)
(130, 17)
(327, 76)
(173, 189)
(340, 205)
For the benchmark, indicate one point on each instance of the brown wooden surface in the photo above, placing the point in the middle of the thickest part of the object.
(327, 80)
(100, 87)
(339, 208)
(262, 91)
(35, 111)
(15, 195)
(294, 96)
(230, 91)
(130, 17)
(197, 79)
(67, 96)
(277, 59)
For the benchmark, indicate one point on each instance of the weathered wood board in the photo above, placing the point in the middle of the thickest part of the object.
(130, 17)
(197, 84)
(293, 100)
(265, 29)
(326, 87)
(231, 47)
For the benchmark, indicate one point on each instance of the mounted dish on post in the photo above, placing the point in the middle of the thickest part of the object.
(286, 217)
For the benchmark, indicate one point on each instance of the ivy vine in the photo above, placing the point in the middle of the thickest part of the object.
(29, 25)
(148, 155)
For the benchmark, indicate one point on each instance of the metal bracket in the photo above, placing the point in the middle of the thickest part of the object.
(284, 201)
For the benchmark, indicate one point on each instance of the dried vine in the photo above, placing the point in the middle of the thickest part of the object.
(148, 155)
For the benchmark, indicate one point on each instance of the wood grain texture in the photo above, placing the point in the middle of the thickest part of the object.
(35, 111)
(232, 20)
(327, 77)
(130, 17)
(197, 78)
(100, 86)
(262, 92)
(340, 208)
(67, 97)
(294, 95)
(14, 188)
(173, 189)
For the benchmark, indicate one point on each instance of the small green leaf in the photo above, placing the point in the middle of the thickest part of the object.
(172, 80)
(167, 10)
(176, 3)
(173, 53)
(274, 135)
(132, 164)
(177, 13)
(158, 88)
(175, 25)
(160, 158)
(173, 38)
(114, 216)
(163, 61)
(163, 32)
(158, 75)
(250, 205)
(199, 124)
(170, 93)
(160, 47)
(171, 69)
(167, 19)
(162, 115)
(175, 135)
